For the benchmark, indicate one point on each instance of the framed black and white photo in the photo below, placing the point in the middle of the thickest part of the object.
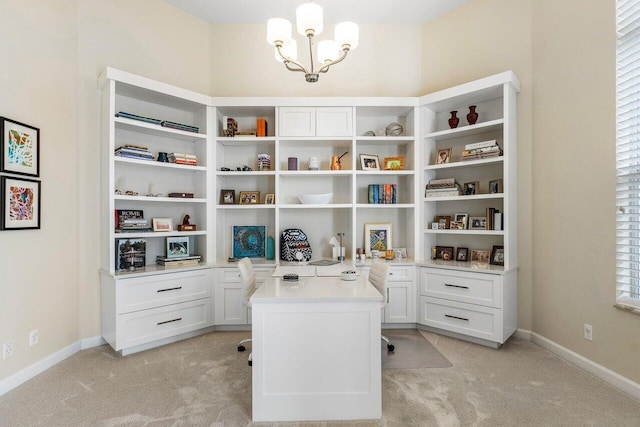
(471, 188)
(20, 148)
(495, 186)
(227, 197)
(462, 254)
(497, 255)
(369, 162)
(20, 204)
(478, 223)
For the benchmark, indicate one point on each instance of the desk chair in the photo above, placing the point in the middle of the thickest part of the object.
(249, 281)
(378, 276)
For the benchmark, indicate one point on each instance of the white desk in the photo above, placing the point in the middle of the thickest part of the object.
(316, 350)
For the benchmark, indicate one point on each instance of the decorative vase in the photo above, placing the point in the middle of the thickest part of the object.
(271, 248)
(472, 117)
(453, 121)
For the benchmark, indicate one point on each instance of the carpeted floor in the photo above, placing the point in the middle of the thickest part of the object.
(204, 381)
(412, 351)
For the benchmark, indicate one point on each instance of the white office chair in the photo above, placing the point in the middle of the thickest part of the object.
(378, 276)
(249, 281)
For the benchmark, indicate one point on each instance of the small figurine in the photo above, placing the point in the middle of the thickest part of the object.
(186, 224)
(186, 219)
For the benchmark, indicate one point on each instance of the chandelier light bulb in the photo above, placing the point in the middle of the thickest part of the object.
(347, 33)
(290, 50)
(328, 51)
(309, 19)
(278, 29)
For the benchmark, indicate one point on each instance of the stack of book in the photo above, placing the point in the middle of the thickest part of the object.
(130, 151)
(183, 159)
(137, 117)
(131, 220)
(183, 261)
(382, 194)
(446, 187)
(494, 219)
(481, 150)
(179, 126)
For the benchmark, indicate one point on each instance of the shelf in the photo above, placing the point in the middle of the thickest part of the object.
(465, 198)
(460, 132)
(248, 206)
(245, 173)
(158, 199)
(154, 269)
(157, 130)
(154, 164)
(245, 141)
(317, 173)
(156, 234)
(323, 139)
(312, 206)
(385, 206)
(467, 164)
(387, 140)
(387, 173)
(466, 232)
(464, 266)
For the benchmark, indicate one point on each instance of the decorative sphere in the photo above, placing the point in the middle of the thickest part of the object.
(393, 129)
(369, 133)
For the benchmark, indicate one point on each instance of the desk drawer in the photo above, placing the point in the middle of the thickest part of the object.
(473, 288)
(229, 275)
(474, 320)
(159, 290)
(401, 273)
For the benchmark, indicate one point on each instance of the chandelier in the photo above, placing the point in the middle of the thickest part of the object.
(309, 24)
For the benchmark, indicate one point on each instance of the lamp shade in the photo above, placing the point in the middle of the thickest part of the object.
(327, 51)
(290, 50)
(309, 17)
(278, 29)
(347, 33)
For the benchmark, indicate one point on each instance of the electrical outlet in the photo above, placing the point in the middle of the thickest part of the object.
(588, 332)
(7, 350)
(33, 338)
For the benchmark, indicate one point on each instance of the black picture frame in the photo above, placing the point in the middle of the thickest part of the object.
(21, 201)
(20, 148)
(497, 256)
(444, 253)
(227, 197)
(462, 254)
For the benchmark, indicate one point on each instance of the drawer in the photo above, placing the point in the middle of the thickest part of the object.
(474, 288)
(149, 325)
(154, 291)
(474, 320)
(229, 275)
(401, 273)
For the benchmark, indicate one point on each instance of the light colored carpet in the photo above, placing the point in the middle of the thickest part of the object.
(204, 381)
(412, 351)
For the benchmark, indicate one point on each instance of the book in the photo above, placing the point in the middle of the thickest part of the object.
(175, 264)
(179, 126)
(449, 193)
(261, 125)
(128, 214)
(180, 258)
(130, 254)
(136, 117)
(497, 221)
(483, 144)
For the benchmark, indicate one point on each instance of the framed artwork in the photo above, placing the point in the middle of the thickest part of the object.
(20, 148)
(162, 224)
(443, 156)
(471, 188)
(496, 186)
(269, 199)
(20, 204)
(478, 223)
(249, 197)
(497, 255)
(393, 163)
(227, 197)
(131, 254)
(377, 237)
(462, 219)
(249, 241)
(444, 221)
(177, 247)
(462, 254)
(480, 255)
(444, 253)
(369, 162)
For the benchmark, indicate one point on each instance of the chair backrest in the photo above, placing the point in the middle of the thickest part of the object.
(248, 278)
(378, 276)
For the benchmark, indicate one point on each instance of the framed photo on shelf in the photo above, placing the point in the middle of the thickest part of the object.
(480, 255)
(177, 247)
(227, 197)
(162, 224)
(462, 218)
(497, 255)
(269, 199)
(443, 156)
(444, 253)
(471, 188)
(496, 186)
(131, 254)
(249, 241)
(249, 197)
(377, 237)
(20, 148)
(20, 204)
(478, 223)
(369, 162)
(393, 163)
(462, 254)
(444, 221)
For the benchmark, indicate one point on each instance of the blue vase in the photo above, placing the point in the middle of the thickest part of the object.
(271, 248)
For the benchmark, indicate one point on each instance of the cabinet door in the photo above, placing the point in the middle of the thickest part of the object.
(297, 121)
(334, 121)
(400, 307)
(229, 298)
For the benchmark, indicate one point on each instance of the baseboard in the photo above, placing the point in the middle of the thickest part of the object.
(29, 372)
(607, 375)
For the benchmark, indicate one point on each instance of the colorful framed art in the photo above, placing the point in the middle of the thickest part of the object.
(20, 204)
(20, 148)
(249, 241)
(377, 237)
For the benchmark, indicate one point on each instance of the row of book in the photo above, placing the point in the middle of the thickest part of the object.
(131, 151)
(183, 261)
(446, 187)
(494, 219)
(131, 220)
(382, 194)
(230, 128)
(165, 123)
(183, 159)
(481, 150)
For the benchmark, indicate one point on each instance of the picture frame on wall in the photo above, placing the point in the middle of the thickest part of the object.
(249, 241)
(20, 204)
(377, 237)
(20, 148)
(369, 162)
(178, 247)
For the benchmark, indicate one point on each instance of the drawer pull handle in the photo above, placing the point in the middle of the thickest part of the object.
(456, 317)
(170, 289)
(169, 321)
(449, 285)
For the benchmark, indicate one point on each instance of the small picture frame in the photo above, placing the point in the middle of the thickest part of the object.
(435, 226)
(471, 188)
(269, 199)
(20, 148)
(249, 197)
(462, 254)
(496, 186)
(461, 219)
(478, 223)
(497, 255)
(443, 156)
(393, 163)
(178, 247)
(162, 224)
(444, 253)
(369, 162)
(20, 204)
(444, 221)
(227, 197)
(480, 255)
(401, 252)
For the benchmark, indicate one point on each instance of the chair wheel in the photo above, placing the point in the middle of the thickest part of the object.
(391, 347)
(241, 348)
(250, 363)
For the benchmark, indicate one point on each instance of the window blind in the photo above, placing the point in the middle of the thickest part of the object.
(628, 153)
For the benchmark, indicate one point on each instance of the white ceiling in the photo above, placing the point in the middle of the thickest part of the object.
(359, 11)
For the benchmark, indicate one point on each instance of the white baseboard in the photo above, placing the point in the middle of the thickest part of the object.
(607, 375)
(29, 372)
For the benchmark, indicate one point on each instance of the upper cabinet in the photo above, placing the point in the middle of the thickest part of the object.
(315, 121)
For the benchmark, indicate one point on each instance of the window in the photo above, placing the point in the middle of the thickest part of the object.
(628, 154)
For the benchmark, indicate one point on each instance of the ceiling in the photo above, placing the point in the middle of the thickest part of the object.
(359, 11)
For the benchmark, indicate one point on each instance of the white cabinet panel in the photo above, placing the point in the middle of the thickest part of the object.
(474, 288)
(334, 121)
(229, 301)
(468, 319)
(315, 121)
(297, 121)
(400, 307)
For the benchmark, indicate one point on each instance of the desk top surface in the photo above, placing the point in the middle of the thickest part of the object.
(316, 289)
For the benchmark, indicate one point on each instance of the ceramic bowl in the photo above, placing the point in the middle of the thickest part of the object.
(315, 199)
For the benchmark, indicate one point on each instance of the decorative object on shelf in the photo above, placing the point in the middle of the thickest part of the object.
(401, 253)
(496, 186)
(179, 126)
(181, 195)
(315, 199)
(480, 255)
(341, 254)
(443, 156)
(444, 221)
(497, 255)
(262, 127)
(309, 24)
(20, 204)
(294, 245)
(244, 168)
(393, 129)
(335, 161)
(472, 117)
(481, 150)
(229, 126)
(271, 248)
(383, 194)
(20, 148)
(444, 253)
(377, 236)
(162, 224)
(375, 254)
(462, 254)
(435, 226)
(369, 133)
(264, 162)
(249, 241)
(313, 163)
(292, 163)
(462, 219)
(227, 197)
(471, 188)
(269, 199)
(369, 162)
(446, 187)
(186, 224)
(131, 254)
(177, 247)
(393, 163)
(453, 120)
(163, 157)
(478, 223)
(391, 254)
(249, 197)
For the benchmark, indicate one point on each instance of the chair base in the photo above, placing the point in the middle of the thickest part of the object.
(240, 346)
(390, 346)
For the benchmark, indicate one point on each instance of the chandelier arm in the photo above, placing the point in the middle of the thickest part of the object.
(302, 70)
(288, 60)
(310, 37)
(326, 66)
